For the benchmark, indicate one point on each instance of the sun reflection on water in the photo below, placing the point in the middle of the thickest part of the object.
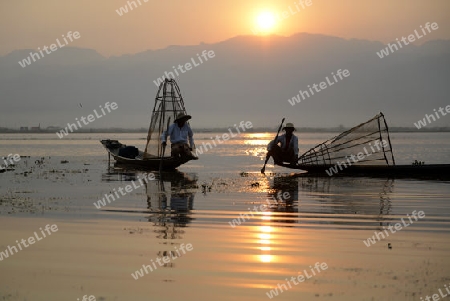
(257, 139)
(265, 235)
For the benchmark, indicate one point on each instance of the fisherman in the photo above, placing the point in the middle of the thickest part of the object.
(179, 131)
(287, 151)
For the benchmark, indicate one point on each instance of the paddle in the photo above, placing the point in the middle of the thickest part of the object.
(164, 148)
(267, 156)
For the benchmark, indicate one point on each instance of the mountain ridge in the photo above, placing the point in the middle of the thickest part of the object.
(250, 78)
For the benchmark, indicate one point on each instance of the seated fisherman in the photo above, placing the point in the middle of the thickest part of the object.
(288, 149)
(179, 131)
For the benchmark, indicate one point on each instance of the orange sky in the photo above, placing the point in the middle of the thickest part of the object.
(157, 24)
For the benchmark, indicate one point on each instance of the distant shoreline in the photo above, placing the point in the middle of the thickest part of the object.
(215, 130)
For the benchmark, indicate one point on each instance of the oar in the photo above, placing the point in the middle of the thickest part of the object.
(164, 148)
(267, 156)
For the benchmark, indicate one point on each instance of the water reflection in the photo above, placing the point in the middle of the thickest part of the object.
(282, 211)
(335, 203)
(349, 195)
(332, 201)
(284, 193)
(170, 200)
(266, 238)
(115, 174)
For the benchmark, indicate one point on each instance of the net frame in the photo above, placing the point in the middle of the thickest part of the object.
(337, 149)
(168, 104)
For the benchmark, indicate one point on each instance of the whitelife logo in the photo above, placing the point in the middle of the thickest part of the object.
(9, 161)
(53, 47)
(128, 188)
(161, 261)
(378, 235)
(187, 66)
(124, 9)
(391, 48)
(244, 217)
(300, 278)
(91, 118)
(356, 158)
(430, 118)
(302, 95)
(436, 297)
(207, 146)
(11, 250)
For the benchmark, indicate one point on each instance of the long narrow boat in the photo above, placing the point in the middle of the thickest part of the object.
(150, 162)
(168, 104)
(426, 171)
(364, 150)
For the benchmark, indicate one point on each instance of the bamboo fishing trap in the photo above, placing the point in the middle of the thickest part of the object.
(168, 104)
(367, 144)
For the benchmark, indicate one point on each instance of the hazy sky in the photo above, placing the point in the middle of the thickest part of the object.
(157, 24)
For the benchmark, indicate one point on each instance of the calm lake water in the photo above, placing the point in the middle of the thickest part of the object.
(319, 219)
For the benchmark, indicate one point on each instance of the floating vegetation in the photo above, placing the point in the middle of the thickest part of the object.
(205, 188)
(39, 162)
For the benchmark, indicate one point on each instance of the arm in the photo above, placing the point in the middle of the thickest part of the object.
(167, 133)
(273, 142)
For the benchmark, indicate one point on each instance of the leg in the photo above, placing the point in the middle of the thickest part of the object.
(276, 154)
(289, 156)
(185, 152)
(176, 150)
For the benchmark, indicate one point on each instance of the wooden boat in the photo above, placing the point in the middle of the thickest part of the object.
(168, 104)
(150, 162)
(426, 171)
(333, 157)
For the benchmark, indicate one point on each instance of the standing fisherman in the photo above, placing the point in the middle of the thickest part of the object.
(179, 132)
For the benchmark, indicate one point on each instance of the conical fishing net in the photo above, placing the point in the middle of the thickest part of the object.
(365, 144)
(168, 104)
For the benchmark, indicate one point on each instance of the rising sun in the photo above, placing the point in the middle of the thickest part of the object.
(265, 21)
